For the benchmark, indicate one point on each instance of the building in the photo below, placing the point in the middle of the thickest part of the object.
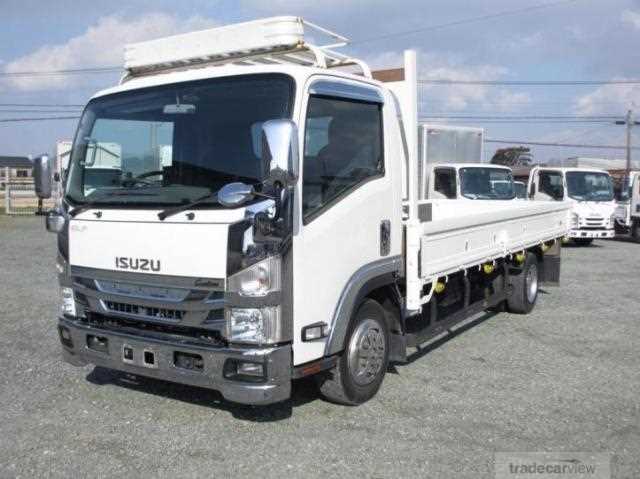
(15, 168)
(609, 164)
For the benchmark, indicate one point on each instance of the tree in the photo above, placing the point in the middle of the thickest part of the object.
(513, 156)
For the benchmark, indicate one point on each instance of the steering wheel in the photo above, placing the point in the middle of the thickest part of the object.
(141, 179)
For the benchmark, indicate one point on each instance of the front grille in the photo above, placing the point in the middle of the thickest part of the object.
(145, 311)
(157, 331)
(595, 221)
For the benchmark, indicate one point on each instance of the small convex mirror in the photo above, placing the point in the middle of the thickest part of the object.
(235, 194)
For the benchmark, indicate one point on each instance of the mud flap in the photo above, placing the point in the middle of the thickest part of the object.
(550, 267)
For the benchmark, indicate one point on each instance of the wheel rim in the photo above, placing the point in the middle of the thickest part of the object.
(532, 283)
(366, 352)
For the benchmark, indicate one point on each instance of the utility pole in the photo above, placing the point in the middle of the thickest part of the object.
(629, 121)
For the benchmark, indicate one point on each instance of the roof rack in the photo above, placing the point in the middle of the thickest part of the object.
(275, 40)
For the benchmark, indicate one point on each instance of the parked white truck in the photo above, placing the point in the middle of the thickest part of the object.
(451, 157)
(628, 210)
(266, 223)
(589, 191)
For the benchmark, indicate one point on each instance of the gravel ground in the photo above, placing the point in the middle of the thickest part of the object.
(564, 378)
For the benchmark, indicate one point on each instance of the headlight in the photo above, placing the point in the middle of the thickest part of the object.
(575, 220)
(258, 279)
(253, 325)
(67, 302)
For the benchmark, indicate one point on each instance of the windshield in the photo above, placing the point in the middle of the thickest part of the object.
(589, 186)
(624, 193)
(480, 183)
(520, 190)
(175, 143)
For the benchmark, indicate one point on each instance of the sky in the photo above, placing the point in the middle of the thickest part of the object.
(579, 40)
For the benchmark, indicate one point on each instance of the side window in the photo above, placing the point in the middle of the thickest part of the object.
(551, 184)
(444, 182)
(343, 147)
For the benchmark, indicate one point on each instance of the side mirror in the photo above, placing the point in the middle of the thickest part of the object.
(560, 193)
(532, 190)
(280, 152)
(55, 221)
(235, 194)
(42, 176)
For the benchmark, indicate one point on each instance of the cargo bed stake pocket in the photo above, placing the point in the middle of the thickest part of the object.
(127, 353)
(149, 359)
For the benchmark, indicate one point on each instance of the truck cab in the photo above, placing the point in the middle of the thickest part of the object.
(588, 190)
(628, 210)
(471, 181)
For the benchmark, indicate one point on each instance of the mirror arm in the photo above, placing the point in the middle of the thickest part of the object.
(276, 228)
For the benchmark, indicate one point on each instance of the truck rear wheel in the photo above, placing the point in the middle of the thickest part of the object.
(363, 363)
(524, 287)
(635, 231)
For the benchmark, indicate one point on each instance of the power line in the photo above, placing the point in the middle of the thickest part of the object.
(562, 145)
(522, 102)
(38, 111)
(43, 118)
(523, 122)
(42, 105)
(111, 69)
(465, 21)
(513, 121)
(70, 71)
(523, 117)
(450, 81)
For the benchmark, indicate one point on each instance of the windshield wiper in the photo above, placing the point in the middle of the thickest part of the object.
(97, 204)
(83, 207)
(164, 214)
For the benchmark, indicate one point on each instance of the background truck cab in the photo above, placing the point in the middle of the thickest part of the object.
(471, 181)
(628, 209)
(590, 193)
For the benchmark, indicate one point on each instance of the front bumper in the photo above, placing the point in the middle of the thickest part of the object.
(276, 361)
(602, 233)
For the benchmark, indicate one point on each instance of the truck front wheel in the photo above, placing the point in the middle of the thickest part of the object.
(363, 363)
(524, 283)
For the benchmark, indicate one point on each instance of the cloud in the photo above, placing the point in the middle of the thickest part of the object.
(455, 98)
(631, 17)
(609, 98)
(101, 44)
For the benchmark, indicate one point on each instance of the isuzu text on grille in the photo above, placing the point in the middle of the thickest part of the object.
(137, 264)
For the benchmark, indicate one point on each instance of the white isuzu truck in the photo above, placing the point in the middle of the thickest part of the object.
(264, 222)
(628, 209)
(589, 191)
(452, 160)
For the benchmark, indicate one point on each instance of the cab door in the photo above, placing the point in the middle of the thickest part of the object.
(635, 196)
(546, 185)
(347, 201)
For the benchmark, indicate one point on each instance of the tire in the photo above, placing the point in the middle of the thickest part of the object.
(363, 363)
(635, 231)
(498, 285)
(525, 284)
(583, 241)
